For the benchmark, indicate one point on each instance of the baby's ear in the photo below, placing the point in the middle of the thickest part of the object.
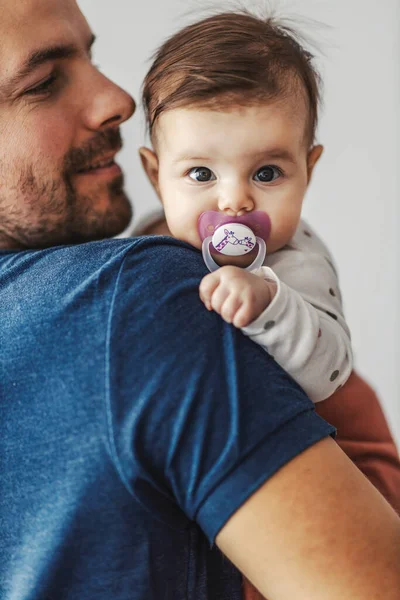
(150, 164)
(313, 157)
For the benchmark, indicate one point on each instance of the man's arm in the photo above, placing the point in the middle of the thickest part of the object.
(317, 530)
(364, 435)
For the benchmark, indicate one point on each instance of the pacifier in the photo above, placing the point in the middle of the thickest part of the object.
(234, 236)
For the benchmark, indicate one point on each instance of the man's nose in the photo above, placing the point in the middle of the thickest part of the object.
(235, 200)
(110, 105)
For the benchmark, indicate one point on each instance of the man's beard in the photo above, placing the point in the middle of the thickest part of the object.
(59, 213)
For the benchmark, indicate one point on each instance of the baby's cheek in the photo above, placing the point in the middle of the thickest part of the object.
(184, 227)
(282, 232)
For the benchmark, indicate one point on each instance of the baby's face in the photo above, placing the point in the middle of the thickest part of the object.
(233, 161)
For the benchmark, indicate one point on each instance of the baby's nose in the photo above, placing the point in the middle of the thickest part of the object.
(236, 201)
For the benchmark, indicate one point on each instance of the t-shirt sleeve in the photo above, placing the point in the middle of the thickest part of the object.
(199, 416)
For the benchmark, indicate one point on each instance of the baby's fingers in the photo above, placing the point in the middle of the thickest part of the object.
(208, 285)
(219, 295)
(230, 307)
(245, 314)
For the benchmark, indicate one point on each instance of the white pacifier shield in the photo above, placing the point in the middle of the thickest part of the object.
(233, 239)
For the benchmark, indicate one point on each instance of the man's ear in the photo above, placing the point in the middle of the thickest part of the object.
(150, 164)
(313, 157)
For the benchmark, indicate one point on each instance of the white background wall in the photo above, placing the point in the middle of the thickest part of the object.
(353, 200)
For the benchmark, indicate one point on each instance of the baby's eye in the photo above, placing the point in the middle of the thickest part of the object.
(201, 174)
(267, 174)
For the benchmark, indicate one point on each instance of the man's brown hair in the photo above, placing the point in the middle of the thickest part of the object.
(231, 59)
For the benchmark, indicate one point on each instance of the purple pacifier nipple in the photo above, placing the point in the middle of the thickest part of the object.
(234, 236)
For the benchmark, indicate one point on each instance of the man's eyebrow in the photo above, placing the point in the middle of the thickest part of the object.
(41, 56)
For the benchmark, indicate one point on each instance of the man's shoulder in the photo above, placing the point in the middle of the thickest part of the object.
(151, 248)
(159, 260)
(158, 276)
(136, 271)
(97, 273)
(132, 256)
(157, 251)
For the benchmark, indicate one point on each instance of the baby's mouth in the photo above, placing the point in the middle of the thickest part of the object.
(258, 221)
(233, 240)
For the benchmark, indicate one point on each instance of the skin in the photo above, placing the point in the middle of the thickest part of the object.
(329, 534)
(59, 118)
(364, 435)
(250, 158)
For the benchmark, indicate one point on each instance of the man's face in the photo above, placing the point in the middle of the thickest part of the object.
(59, 130)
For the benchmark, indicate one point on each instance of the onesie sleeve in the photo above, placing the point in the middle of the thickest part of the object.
(304, 327)
(199, 415)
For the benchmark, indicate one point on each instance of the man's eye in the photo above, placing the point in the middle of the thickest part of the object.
(268, 173)
(201, 174)
(43, 87)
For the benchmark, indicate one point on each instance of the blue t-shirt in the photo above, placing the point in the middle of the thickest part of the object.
(133, 424)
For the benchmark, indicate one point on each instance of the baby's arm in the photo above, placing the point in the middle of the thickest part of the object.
(303, 327)
(293, 311)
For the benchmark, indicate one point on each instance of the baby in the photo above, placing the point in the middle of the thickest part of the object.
(232, 106)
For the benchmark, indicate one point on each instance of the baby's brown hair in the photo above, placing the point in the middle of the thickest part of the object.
(231, 59)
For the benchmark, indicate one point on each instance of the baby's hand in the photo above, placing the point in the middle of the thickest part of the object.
(236, 294)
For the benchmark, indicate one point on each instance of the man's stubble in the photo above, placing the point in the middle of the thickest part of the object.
(39, 210)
